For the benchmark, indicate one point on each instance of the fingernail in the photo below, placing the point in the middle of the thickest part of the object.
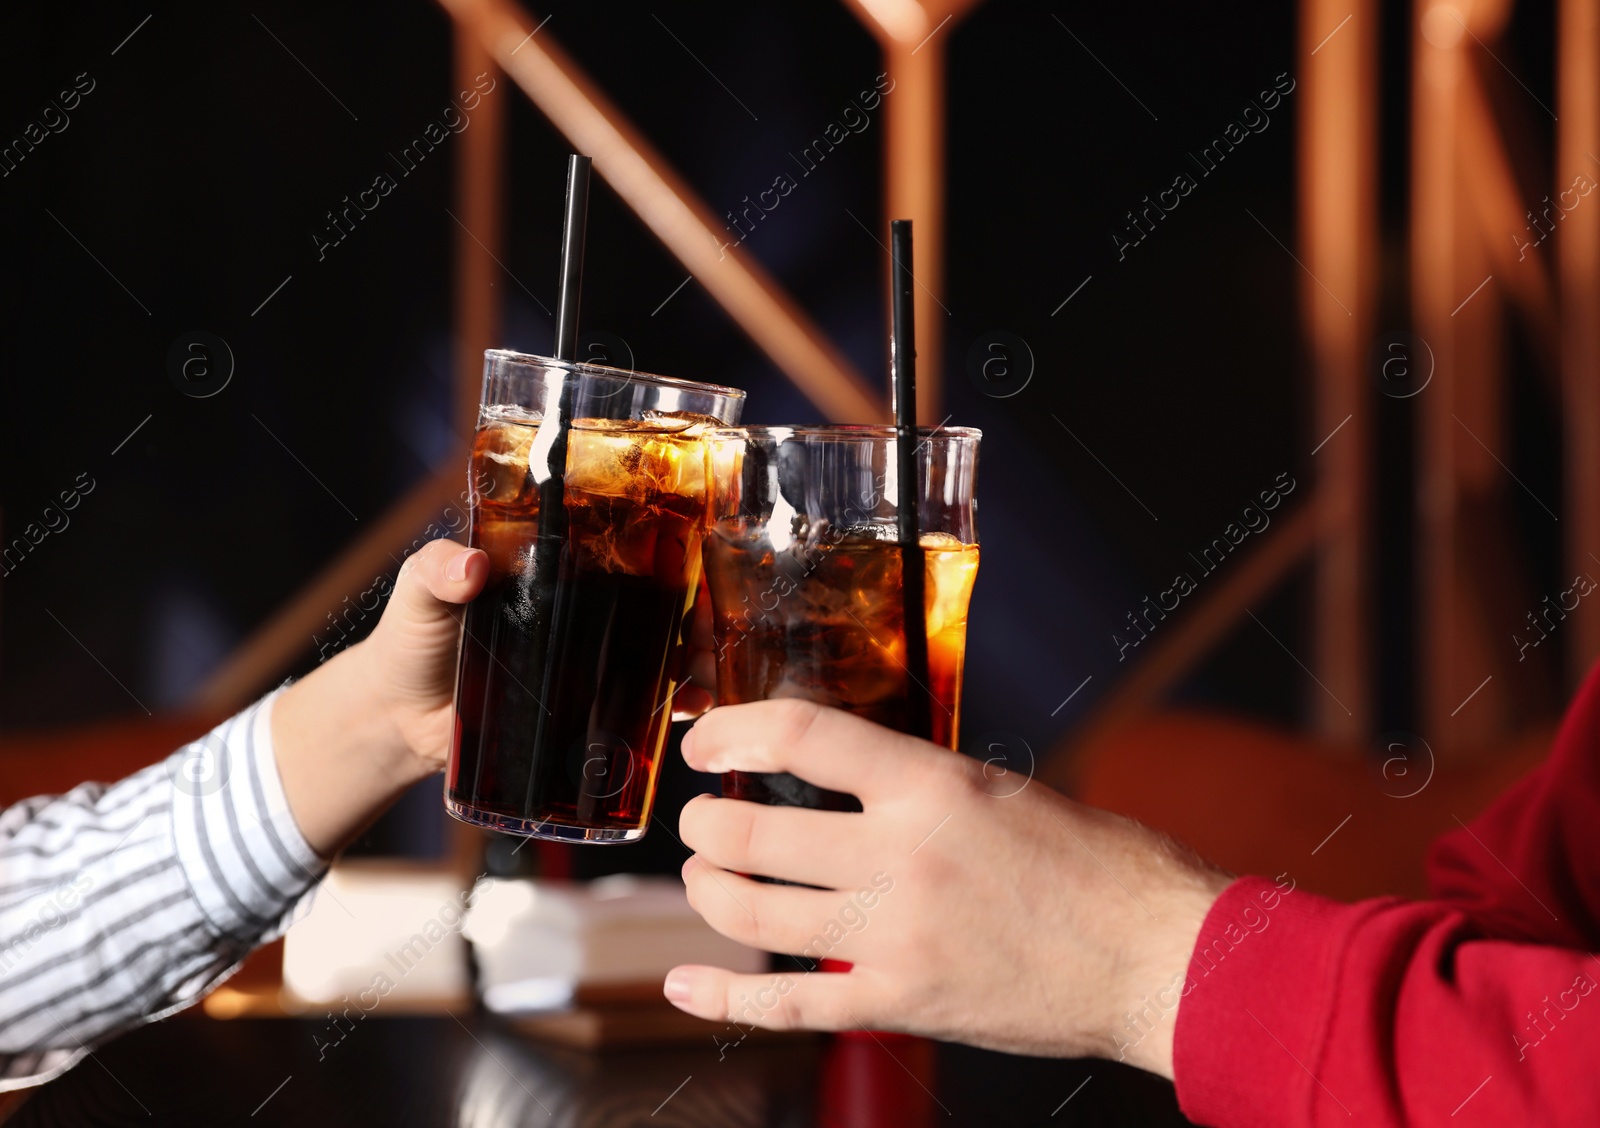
(689, 865)
(457, 568)
(677, 987)
(686, 746)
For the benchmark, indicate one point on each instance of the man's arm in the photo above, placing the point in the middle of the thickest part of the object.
(1402, 1011)
(1385, 1012)
(1022, 921)
(1527, 868)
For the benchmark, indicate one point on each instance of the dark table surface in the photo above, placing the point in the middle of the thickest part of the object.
(473, 1073)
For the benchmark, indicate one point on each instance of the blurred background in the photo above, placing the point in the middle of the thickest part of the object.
(1293, 303)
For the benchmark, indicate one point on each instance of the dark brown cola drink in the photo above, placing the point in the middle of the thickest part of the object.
(566, 742)
(823, 620)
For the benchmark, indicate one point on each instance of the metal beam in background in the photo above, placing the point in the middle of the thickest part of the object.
(1337, 185)
(914, 189)
(479, 232)
(1578, 271)
(575, 105)
(914, 37)
(1490, 558)
(1497, 206)
(1495, 198)
(1456, 305)
(1436, 66)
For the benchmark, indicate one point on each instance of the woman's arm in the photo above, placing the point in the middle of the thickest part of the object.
(121, 904)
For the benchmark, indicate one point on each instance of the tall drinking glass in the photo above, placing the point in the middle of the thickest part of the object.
(570, 655)
(804, 568)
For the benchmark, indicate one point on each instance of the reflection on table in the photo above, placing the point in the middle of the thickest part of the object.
(470, 1071)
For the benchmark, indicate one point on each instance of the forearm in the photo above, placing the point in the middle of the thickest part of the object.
(1526, 868)
(1301, 1011)
(120, 903)
(342, 759)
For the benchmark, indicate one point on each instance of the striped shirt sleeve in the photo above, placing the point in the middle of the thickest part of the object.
(121, 904)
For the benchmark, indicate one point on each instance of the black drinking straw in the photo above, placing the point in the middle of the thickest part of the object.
(913, 580)
(575, 222)
(548, 547)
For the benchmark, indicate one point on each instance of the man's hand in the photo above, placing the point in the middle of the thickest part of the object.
(972, 911)
(696, 691)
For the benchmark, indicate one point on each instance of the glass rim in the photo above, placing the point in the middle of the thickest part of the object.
(838, 431)
(631, 375)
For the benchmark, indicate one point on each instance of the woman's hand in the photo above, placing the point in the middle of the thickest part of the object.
(413, 648)
(971, 911)
(411, 653)
(357, 731)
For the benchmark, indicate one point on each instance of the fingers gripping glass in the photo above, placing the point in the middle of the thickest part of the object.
(805, 569)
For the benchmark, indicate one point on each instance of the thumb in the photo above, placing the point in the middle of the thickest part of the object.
(415, 641)
(433, 580)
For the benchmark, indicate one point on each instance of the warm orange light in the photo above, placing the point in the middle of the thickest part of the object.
(899, 19)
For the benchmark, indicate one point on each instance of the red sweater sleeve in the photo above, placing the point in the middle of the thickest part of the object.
(1478, 1008)
(1529, 867)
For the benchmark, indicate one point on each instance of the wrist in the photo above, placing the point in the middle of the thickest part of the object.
(1146, 996)
(377, 718)
(341, 756)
